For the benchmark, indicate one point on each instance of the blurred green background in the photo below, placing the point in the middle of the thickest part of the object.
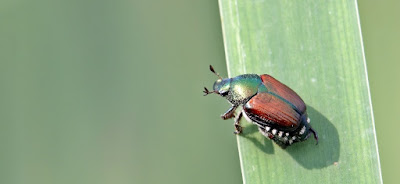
(110, 91)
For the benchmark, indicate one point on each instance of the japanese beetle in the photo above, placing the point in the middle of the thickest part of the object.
(277, 110)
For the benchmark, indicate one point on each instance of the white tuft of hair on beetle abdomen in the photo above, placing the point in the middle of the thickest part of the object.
(303, 129)
(280, 133)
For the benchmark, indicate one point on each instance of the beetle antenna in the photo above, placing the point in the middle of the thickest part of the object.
(206, 92)
(315, 134)
(213, 71)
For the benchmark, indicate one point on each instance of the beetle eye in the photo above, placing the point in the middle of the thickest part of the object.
(224, 93)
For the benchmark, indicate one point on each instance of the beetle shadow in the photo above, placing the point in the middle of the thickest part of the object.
(328, 149)
(306, 153)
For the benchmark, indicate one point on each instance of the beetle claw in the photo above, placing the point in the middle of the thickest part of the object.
(238, 129)
(315, 135)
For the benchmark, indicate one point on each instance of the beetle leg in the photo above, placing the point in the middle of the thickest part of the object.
(230, 113)
(238, 128)
(315, 134)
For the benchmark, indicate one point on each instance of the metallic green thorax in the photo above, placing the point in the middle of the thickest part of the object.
(239, 89)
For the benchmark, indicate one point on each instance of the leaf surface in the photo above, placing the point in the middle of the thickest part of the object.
(315, 47)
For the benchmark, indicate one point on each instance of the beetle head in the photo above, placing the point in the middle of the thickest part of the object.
(221, 86)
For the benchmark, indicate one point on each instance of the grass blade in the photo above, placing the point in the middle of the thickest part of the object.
(316, 49)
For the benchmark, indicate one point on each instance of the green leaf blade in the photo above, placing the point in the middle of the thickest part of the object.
(316, 49)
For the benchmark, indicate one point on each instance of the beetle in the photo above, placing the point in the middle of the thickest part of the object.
(277, 110)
